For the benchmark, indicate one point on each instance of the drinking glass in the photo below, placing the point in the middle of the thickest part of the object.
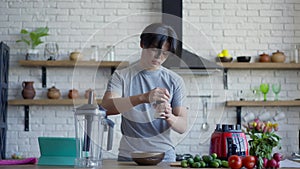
(276, 88)
(51, 51)
(264, 88)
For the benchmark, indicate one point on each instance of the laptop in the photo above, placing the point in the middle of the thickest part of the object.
(59, 151)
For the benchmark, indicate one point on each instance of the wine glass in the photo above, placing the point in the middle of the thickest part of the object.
(276, 88)
(51, 51)
(264, 88)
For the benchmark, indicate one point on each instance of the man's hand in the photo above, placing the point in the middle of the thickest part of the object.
(158, 95)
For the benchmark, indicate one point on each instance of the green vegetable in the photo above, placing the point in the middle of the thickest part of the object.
(214, 164)
(197, 158)
(225, 164)
(207, 158)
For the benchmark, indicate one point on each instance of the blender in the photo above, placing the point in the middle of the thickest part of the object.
(90, 125)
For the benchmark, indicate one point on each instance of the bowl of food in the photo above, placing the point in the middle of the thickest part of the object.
(147, 158)
(224, 59)
(243, 58)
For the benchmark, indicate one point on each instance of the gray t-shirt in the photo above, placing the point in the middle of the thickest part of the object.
(140, 130)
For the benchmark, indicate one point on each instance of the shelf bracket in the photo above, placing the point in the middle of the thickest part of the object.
(225, 82)
(239, 115)
(44, 77)
(112, 70)
(26, 118)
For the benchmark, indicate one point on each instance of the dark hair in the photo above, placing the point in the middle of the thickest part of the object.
(154, 36)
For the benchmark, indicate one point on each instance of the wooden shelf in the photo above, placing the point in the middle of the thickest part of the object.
(259, 65)
(48, 102)
(68, 63)
(283, 103)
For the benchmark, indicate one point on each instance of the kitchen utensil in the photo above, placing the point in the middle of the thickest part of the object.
(278, 57)
(75, 56)
(147, 158)
(205, 125)
(228, 140)
(243, 58)
(90, 124)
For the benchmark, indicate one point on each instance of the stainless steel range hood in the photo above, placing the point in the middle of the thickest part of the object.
(186, 62)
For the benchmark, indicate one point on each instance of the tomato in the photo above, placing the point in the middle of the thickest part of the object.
(235, 162)
(249, 162)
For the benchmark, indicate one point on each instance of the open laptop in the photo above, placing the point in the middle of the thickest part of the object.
(57, 151)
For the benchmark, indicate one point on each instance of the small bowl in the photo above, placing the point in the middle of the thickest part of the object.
(147, 158)
(243, 58)
(224, 59)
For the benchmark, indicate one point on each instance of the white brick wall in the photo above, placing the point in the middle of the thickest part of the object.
(243, 27)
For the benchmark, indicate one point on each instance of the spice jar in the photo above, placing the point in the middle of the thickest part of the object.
(53, 93)
(73, 94)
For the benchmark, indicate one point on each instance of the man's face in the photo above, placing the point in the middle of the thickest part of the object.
(152, 58)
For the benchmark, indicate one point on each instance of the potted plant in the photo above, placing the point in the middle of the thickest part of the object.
(32, 40)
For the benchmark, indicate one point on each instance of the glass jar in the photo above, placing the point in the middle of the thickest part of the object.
(111, 53)
(95, 55)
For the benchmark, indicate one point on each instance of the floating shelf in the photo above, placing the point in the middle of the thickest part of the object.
(256, 65)
(282, 103)
(259, 65)
(67, 63)
(240, 104)
(48, 102)
(45, 102)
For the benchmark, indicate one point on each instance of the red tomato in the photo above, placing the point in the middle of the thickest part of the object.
(249, 162)
(235, 162)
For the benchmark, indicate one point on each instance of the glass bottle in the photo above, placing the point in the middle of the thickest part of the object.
(95, 55)
(111, 52)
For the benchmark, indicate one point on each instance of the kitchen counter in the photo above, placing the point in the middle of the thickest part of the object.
(107, 164)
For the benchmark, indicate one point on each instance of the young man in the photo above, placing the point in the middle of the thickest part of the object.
(132, 91)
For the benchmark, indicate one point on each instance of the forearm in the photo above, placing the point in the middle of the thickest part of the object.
(178, 123)
(120, 105)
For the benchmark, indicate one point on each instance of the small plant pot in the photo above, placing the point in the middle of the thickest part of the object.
(32, 54)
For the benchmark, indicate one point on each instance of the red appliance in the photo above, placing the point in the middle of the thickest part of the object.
(228, 140)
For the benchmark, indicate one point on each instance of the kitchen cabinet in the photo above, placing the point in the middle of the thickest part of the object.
(260, 66)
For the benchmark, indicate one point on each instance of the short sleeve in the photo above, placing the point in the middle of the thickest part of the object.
(115, 83)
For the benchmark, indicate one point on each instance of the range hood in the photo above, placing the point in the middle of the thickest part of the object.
(186, 62)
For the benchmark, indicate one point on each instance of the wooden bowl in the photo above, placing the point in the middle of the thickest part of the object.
(147, 158)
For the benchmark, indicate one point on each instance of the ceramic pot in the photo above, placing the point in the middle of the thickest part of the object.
(53, 93)
(278, 57)
(73, 94)
(87, 92)
(264, 58)
(74, 56)
(28, 91)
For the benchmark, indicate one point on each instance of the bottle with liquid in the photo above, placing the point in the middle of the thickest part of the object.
(295, 54)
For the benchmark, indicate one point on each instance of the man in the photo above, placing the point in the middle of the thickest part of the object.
(131, 92)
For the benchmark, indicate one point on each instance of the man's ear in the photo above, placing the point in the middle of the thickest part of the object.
(141, 45)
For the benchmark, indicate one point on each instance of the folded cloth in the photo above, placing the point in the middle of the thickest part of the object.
(31, 160)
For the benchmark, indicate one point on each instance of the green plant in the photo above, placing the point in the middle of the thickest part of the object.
(33, 38)
(263, 139)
